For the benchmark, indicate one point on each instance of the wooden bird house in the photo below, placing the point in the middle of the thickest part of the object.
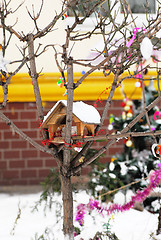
(84, 117)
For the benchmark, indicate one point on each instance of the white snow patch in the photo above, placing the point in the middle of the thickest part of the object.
(111, 166)
(134, 225)
(67, 237)
(146, 48)
(77, 149)
(156, 205)
(112, 175)
(158, 121)
(124, 168)
(130, 225)
(99, 188)
(85, 112)
(119, 198)
(158, 34)
(3, 62)
(129, 194)
(134, 168)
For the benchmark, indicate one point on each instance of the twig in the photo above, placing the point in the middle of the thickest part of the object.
(144, 102)
(158, 84)
(120, 188)
(35, 17)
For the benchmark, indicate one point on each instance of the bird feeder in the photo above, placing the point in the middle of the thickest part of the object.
(84, 116)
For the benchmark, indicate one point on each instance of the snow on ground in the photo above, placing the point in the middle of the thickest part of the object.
(130, 225)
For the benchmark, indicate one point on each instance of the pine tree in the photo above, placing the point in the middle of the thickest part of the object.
(137, 159)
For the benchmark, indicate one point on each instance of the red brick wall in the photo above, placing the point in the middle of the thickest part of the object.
(20, 162)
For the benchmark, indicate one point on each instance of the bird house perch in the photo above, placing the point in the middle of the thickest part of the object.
(84, 116)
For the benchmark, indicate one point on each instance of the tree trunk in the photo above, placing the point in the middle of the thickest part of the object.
(159, 222)
(65, 178)
(67, 197)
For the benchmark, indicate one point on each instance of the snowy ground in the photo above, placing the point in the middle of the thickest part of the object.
(130, 225)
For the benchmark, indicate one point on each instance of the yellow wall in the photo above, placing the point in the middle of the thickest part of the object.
(92, 88)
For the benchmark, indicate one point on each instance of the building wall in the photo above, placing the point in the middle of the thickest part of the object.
(21, 163)
(81, 49)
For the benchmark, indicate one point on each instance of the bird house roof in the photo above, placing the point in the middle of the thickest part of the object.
(84, 112)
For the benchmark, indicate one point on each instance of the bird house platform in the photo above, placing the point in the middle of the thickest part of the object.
(85, 117)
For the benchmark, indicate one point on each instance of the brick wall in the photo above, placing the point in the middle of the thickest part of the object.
(22, 164)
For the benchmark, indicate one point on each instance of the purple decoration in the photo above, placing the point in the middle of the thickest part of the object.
(139, 196)
(80, 213)
(135, 30)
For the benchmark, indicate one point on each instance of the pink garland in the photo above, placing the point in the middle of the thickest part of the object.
(135, 30)
(140, 196)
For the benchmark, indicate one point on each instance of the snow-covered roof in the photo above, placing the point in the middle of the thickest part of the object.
(85, 112)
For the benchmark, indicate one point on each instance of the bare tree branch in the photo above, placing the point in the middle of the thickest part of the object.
(126, 129)
(35, 17)
(144, 103)
(116, 136)
(34, 76)
(25, 137)
(108, 103)
(5, 90)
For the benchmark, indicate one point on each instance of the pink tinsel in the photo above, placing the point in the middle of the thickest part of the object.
(135, 30)
(157, 113)
(140, 196)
